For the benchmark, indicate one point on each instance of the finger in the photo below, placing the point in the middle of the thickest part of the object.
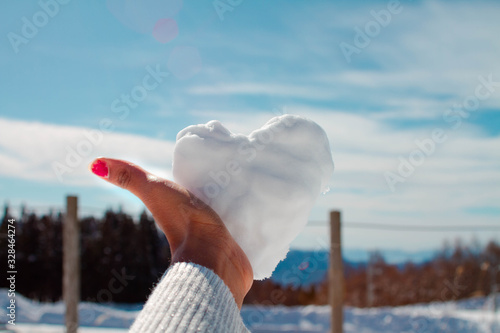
(123, 174)
(162, 197)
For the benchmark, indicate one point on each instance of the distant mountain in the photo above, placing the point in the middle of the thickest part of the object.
(305, 268)
(393, 256)
(302, 268)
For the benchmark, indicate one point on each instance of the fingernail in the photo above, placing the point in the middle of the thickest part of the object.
(100, 168)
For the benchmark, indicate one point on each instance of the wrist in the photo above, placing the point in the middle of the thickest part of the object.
(227, 261)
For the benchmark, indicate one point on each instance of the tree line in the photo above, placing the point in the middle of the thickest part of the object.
(122, 260)
(456, 272)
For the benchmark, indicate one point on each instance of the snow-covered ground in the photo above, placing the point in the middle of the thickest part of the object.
(473, 315)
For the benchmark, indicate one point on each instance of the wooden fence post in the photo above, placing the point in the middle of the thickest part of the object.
(336, 274)
(71, 264)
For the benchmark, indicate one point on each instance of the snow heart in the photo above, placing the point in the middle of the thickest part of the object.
(263, 186)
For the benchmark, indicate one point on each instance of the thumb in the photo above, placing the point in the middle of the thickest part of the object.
(161, 196)
(123, 174)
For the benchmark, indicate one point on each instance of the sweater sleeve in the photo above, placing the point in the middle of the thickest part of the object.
(190, 298)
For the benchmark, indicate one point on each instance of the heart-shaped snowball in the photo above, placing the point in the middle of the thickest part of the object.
(263, 186)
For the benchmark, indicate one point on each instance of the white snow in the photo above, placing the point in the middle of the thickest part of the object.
(263, 186)
(468, 316)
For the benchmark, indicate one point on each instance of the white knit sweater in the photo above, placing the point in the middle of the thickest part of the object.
(190, 298)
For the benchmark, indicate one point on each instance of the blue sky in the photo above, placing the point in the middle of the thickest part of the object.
(256, 60)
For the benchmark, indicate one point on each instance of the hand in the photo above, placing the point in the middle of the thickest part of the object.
(194, 231)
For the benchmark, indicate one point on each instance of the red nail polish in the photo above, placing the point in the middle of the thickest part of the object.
(100, 168)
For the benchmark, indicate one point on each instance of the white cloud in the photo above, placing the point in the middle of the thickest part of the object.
(28, 150)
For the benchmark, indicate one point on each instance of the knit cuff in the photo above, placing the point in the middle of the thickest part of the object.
(190, 298)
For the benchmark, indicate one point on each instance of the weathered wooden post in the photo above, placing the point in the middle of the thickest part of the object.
(71, 264)
(495, 271)
(336, 274)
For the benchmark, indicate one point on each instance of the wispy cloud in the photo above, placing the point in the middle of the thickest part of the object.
(254, 88)
(405, 73)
